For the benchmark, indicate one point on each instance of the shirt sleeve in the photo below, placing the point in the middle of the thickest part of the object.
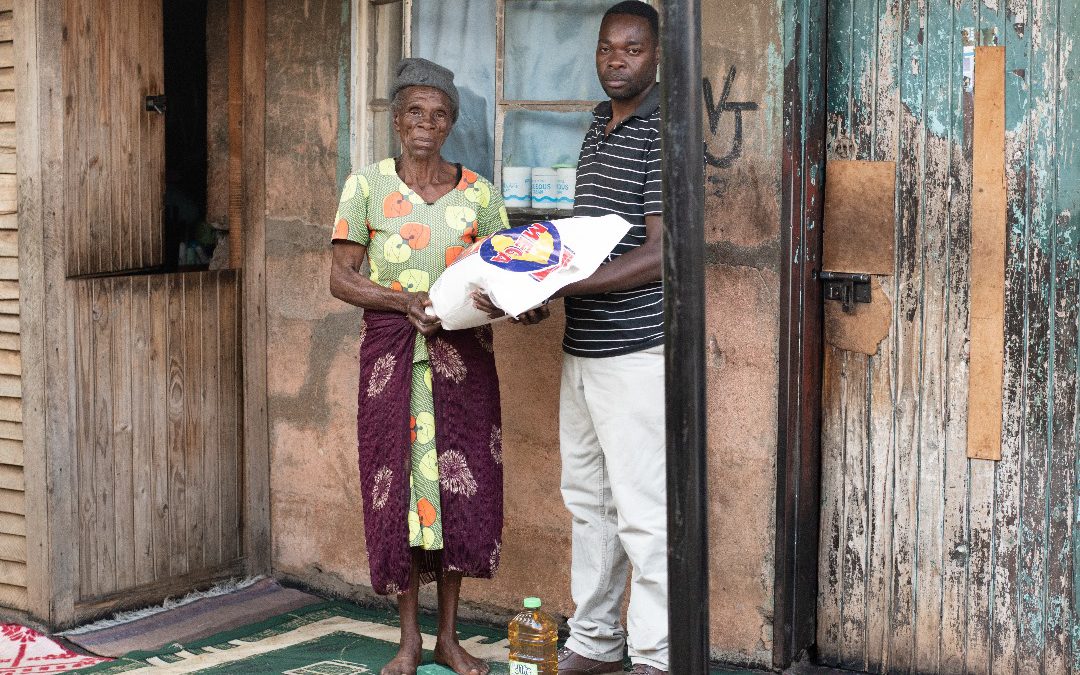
(492, 218)
(351, 221)
(653, 195)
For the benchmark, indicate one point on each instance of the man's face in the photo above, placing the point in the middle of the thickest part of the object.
(626, 56)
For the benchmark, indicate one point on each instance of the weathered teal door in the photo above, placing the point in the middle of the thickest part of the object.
(929, 561)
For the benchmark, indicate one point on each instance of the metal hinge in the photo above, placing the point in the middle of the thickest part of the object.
(846, 288)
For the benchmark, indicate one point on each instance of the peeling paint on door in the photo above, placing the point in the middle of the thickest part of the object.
(931, 562)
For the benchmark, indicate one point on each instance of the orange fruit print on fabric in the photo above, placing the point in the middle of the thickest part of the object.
(467, 179)
(416, 235)
(396, 205)
(341, 230)
(452, 254)
(412, 429)
(469, 235)
(426, 511)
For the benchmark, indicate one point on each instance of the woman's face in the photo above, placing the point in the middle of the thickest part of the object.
(423, 122)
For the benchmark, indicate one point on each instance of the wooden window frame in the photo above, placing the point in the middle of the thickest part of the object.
(365, 58)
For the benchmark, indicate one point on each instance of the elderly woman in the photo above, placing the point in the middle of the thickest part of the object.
(428, 419)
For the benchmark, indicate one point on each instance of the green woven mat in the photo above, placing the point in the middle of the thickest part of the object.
(332, 638)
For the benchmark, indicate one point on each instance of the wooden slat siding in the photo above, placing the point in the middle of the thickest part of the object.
(846, 462)
(11, 478)
(12, 548)
(230, 383)
(13, 596)
(256, 441)
(1038, 171)
(172, 449)
(104, 486)
(193, 448)
(874, 144)
(142, 461)
(177, 429)
(208, 410)
(9, 245)
(992, 576)
(11, 430)
(9, 193)
(7, 26)
(933, 382)
(75, 167)
(121, 354)
(12, 502)
(854, 542)
(11, 452)
(1062, 551)
(115, 176)
(82, 305)
(1004, 616)
(158, 387)
(40, 222)
(13, 574)
(13, 523)
(830, 593)
(11, 410)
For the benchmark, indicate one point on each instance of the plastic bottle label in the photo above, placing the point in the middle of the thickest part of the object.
(519, 668)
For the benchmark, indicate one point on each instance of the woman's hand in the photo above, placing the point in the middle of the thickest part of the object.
(417, 313)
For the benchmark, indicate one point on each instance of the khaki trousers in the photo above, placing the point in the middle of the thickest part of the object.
(611, 427)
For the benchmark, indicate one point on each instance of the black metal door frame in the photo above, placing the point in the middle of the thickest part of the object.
(798, 465)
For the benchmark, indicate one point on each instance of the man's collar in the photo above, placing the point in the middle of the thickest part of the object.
(644, 110)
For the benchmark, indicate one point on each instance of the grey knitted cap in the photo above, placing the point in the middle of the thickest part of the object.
(421, 72)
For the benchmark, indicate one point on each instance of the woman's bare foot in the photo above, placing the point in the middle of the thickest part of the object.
(450, 653)
(407, 660)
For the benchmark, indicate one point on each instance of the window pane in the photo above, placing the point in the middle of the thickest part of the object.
(542, 138)
(551, 49)
(386, 48)
(460, 35)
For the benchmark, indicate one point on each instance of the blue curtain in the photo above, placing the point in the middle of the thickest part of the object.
(460, 35)
(550, 47)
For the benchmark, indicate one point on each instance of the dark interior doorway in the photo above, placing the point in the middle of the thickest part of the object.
(189, 240)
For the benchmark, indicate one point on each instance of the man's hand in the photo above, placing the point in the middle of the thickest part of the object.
(424, 321)
(533, 316)
(483, 302)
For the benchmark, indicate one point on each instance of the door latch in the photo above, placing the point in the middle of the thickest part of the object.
(846, 288)
(156, 104)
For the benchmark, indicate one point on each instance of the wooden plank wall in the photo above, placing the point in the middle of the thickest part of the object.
(931, 562)
(13, 571)
(158, 386)
(114, 175)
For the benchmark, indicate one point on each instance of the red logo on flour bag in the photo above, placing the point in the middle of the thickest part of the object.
(536, 249)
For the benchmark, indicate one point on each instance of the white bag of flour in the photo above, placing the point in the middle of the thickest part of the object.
(521, 267)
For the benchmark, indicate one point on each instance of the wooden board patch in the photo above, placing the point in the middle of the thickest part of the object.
(988, 226)
(860, 217)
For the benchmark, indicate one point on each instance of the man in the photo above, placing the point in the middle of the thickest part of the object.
(612, 399)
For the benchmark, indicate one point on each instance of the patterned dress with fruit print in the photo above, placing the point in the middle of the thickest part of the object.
(409, 244)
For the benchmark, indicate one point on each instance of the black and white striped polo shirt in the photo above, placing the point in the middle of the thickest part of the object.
(619, 173)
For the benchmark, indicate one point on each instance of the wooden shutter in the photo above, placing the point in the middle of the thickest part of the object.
(114, 178)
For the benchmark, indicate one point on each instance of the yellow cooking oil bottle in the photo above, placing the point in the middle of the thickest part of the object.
(533, 642)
